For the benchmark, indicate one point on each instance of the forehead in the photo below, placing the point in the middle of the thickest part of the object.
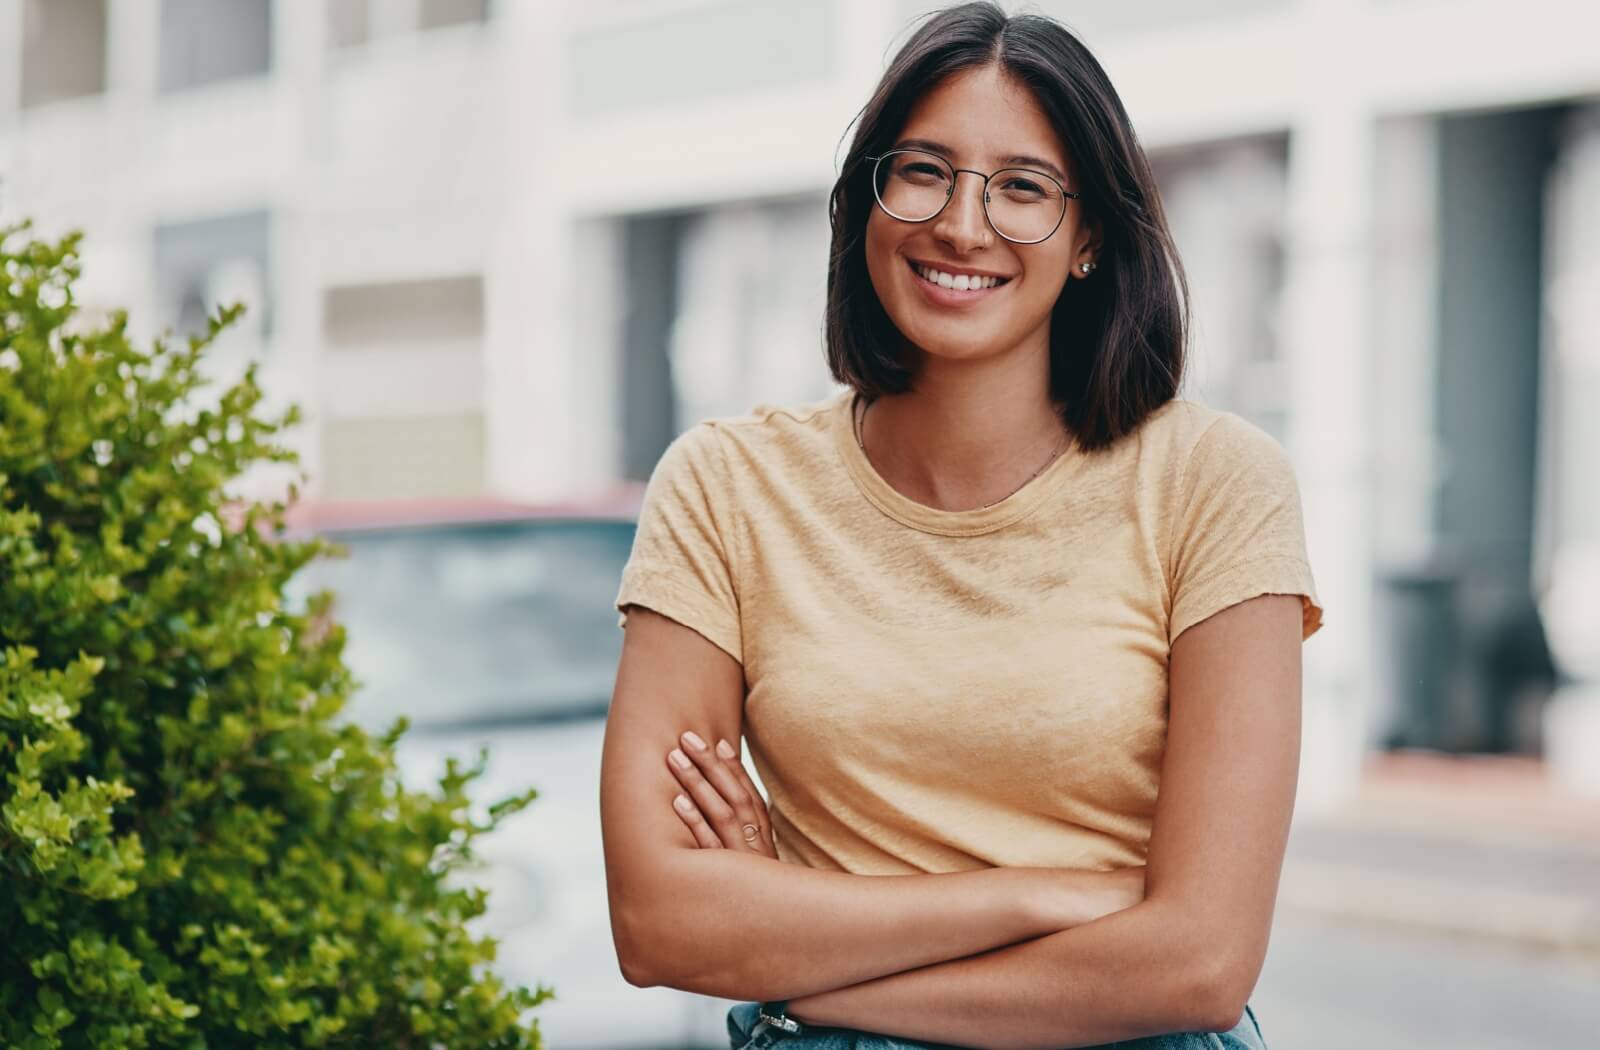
(981, 114)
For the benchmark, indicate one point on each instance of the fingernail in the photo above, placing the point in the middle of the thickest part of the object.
(694, 741)
(683, 804)
(725, 750)
(679, 759)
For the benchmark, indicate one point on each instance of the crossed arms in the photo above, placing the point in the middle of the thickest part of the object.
(1004, 957)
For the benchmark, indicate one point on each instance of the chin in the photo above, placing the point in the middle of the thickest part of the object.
(953, 345)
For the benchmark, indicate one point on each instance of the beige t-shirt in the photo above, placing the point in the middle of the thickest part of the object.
(932, 690)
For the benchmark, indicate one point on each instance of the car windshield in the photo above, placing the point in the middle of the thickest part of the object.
(489, 622)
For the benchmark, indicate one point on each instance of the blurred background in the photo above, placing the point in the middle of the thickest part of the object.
(502, 252)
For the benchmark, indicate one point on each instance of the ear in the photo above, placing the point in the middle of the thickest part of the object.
(1090, 237)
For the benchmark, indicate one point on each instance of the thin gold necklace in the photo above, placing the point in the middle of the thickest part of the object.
(860, 427)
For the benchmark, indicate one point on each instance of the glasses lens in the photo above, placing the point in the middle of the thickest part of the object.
(912, 185)
(1024, 205)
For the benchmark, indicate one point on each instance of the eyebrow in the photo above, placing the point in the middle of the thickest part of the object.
(1016, 158)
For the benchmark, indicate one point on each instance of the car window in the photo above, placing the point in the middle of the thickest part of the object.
(467, 624)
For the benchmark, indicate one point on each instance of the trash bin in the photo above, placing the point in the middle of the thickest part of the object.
(1421, 640)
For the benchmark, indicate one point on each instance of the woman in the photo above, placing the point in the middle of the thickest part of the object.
(1012, 631)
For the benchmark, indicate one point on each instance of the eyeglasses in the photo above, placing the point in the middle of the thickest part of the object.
(913, 186)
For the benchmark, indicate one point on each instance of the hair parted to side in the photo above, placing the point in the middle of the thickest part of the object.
(1118, 340)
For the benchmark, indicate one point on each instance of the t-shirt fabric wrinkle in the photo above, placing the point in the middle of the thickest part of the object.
(933, 690)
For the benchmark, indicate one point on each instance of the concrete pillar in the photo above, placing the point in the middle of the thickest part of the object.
(133, 55)
(1327, 313)
(291, 371)
(11, 83)
(1567, 550)
(549, 402)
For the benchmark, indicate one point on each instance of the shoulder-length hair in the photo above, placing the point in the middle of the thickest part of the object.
(1118, 339)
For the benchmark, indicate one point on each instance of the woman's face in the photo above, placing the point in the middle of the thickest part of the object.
(979, 118)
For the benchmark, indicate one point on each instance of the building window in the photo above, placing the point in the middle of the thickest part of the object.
(205, 41)
(441, 309)
(438, 13)
(355, 22)
(63, 50)
(349, 23)
(725, 49)
(204, 263)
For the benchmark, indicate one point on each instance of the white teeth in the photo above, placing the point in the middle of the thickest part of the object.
(959, 282)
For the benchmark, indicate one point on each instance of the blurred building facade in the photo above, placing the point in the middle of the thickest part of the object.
(514, 247)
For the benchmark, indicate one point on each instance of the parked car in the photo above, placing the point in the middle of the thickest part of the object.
(490, 624)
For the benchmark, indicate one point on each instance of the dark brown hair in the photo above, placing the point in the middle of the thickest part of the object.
(1118, 339)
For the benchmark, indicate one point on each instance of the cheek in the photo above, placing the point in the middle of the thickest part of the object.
(1047, 279)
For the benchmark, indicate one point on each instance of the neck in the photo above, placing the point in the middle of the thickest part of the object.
(968, 433)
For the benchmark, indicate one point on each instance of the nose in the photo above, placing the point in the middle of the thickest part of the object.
(962, 223)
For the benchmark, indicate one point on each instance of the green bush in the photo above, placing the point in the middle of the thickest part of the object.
(194, 852)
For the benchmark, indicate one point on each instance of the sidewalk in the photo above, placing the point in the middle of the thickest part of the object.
(1476, 846)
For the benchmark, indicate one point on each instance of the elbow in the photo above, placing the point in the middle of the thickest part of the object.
(1216, 970)
(1220, 996)
(1226, 1013)
(651, 954)
(1199, 999)
(641, 926)
(648, 962)
(632, 944)
(1205, 989)
(635, 970)
(661, 943)
(634, 975)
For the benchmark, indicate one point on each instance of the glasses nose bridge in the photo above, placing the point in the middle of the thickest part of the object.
(983, 181)
(983, 193)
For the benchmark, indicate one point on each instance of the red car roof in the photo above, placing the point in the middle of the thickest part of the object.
(619, 502)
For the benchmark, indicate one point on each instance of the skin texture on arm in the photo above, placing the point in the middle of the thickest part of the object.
(736, 924)
(1188, 956)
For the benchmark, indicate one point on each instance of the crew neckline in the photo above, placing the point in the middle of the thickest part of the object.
(970, 522)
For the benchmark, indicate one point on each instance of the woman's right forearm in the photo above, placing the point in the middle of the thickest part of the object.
(740, 926)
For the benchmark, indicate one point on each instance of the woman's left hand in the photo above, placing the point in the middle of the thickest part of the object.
(719, 803)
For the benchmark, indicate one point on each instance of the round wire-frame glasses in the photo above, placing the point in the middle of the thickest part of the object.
(950, 189)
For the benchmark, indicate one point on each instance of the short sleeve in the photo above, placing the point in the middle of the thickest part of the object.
(1239, 530)
(679, 565)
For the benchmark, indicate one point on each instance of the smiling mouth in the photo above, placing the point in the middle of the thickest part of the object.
(955, 282)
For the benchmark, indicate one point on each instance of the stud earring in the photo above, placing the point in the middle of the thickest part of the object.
(1086, 267)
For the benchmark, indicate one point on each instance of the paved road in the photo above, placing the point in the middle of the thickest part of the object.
(1329, 986)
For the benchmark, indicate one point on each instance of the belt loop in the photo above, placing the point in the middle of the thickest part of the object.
(775, 1014)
